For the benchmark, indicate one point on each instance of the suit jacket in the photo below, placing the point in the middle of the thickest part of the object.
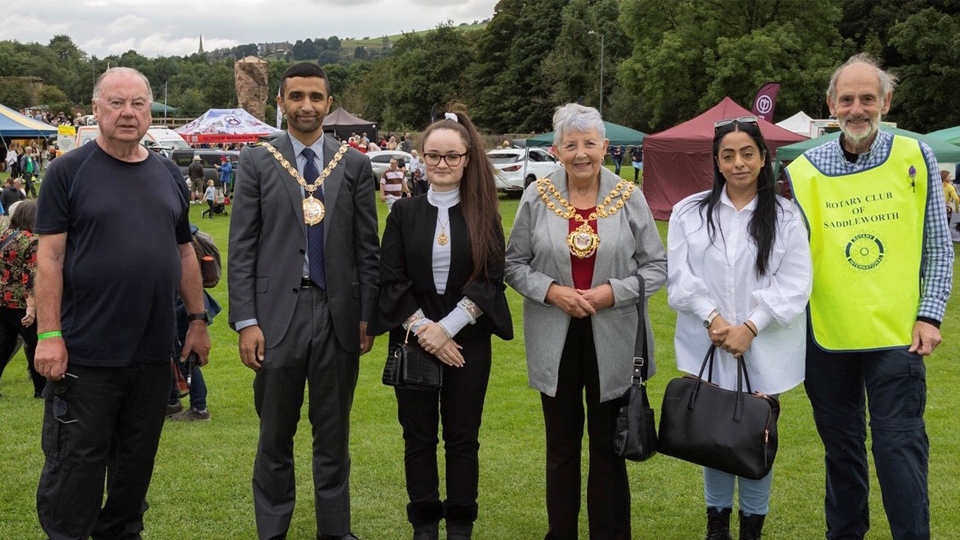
(406, 275)
(630, 251)
(268, 240)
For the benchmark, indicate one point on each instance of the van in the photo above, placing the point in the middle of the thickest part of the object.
(155, 136)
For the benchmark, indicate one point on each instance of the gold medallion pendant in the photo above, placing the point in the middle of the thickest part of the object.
(583, 241)
(442, 239)
(313, 210)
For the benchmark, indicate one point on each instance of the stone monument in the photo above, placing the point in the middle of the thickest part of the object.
(250, 78)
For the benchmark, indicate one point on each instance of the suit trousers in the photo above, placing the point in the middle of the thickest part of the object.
(459, 407)
(309, 354)
(105, 423)
(608, 491)
(894, 385)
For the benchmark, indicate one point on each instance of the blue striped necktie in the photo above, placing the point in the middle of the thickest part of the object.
(318, 273)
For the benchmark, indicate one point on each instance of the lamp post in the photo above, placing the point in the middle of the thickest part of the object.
(601, 69)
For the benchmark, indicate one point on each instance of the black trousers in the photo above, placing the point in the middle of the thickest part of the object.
(10, 326)
(608, 491)
(458, 406)
(102, 424)
(308, 355)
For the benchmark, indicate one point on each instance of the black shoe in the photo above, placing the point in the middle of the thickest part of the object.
(348, 536)
(174, 409)
(751, 527)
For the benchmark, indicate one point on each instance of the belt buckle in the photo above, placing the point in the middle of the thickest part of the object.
(306, 283)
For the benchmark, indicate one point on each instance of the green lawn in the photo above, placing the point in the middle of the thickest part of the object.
(201, 486)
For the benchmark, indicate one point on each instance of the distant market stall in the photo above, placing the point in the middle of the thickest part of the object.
(225, 126)
(14, 125)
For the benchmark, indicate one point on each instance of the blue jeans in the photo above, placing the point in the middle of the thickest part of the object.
(198, 388)
(840, 387)
(718, 488)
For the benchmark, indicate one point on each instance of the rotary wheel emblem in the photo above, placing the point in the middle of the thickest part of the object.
(864, 252)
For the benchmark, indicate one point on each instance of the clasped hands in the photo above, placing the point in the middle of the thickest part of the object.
(580, 303)
(434, 339)
(733, 339)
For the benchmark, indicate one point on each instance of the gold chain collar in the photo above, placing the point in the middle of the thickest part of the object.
(310, 188)
(583, 241)
(313, 209)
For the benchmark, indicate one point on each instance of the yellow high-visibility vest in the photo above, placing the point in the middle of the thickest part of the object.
(866, 240)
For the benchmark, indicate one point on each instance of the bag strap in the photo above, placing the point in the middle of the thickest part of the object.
(8, 239)
(640, 347)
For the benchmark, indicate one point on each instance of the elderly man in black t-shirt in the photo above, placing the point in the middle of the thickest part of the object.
(105, 332)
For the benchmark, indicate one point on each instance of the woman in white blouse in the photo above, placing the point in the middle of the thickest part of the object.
(739, 277)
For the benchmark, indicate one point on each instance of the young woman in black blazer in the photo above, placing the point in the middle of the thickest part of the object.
(441, 273)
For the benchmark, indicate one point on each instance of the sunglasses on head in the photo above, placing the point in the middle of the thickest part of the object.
(742, 120)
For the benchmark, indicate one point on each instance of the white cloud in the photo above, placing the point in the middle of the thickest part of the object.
(104, 27)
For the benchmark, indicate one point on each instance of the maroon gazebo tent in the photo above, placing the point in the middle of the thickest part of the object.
(677, 162)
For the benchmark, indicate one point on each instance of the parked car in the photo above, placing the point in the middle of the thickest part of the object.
(209, 157)
(519, 167)
(380, 161)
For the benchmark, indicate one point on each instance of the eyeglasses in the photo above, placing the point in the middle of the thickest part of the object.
(452, 159)
(742, 120)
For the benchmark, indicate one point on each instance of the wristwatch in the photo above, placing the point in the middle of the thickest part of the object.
(709, 320)
(202, 316)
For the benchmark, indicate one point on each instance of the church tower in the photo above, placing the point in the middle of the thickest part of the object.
(201, 45)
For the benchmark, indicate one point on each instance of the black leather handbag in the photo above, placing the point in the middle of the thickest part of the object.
(409, 366)
(636, 435)
(729, 430)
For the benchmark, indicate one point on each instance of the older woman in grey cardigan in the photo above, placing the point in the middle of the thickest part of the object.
(584, 251)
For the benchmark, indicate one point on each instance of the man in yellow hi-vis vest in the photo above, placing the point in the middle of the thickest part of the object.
(882, 272)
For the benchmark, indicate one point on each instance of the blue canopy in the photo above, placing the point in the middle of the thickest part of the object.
(15, 125)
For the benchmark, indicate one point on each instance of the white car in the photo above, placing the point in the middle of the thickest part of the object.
(519, 167)
(380, 161)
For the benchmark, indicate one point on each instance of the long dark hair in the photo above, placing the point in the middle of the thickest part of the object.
(478, 194)
(763, 224)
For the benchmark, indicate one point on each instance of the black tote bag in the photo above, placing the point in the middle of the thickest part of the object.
(733, 431)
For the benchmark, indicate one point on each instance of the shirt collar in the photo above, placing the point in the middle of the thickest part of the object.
(750, 206)
(298, 147)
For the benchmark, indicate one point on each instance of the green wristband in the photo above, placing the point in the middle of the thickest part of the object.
(45, 335)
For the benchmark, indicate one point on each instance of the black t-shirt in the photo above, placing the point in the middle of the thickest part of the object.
(124, 223)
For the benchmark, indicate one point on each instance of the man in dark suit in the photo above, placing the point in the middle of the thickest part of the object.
(302, 274)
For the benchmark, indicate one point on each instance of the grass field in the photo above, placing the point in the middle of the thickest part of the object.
(201, 487)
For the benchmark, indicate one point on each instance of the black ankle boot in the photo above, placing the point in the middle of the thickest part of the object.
(428, 531)
(460, 518)
(751, 526)
(718, 524)
(425, 518)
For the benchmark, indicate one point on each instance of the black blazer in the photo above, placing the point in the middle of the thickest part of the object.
(406, 274)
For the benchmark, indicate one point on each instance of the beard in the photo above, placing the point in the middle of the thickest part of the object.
(305, 124)
(855, 137)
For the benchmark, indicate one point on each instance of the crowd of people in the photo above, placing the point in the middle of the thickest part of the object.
(750, 274)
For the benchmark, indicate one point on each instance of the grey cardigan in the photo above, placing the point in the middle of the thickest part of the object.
(537, 256)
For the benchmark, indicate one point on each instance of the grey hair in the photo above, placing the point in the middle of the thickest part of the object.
(888, 81)
(576, 117)
(121, 70)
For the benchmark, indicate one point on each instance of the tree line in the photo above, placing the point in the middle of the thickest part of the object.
(664, 61)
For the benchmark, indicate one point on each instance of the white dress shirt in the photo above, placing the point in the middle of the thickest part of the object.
(705, 275)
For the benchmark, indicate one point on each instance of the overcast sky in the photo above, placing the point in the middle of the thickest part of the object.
(172, 27)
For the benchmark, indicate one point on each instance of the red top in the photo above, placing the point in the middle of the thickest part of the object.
(582, 269)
